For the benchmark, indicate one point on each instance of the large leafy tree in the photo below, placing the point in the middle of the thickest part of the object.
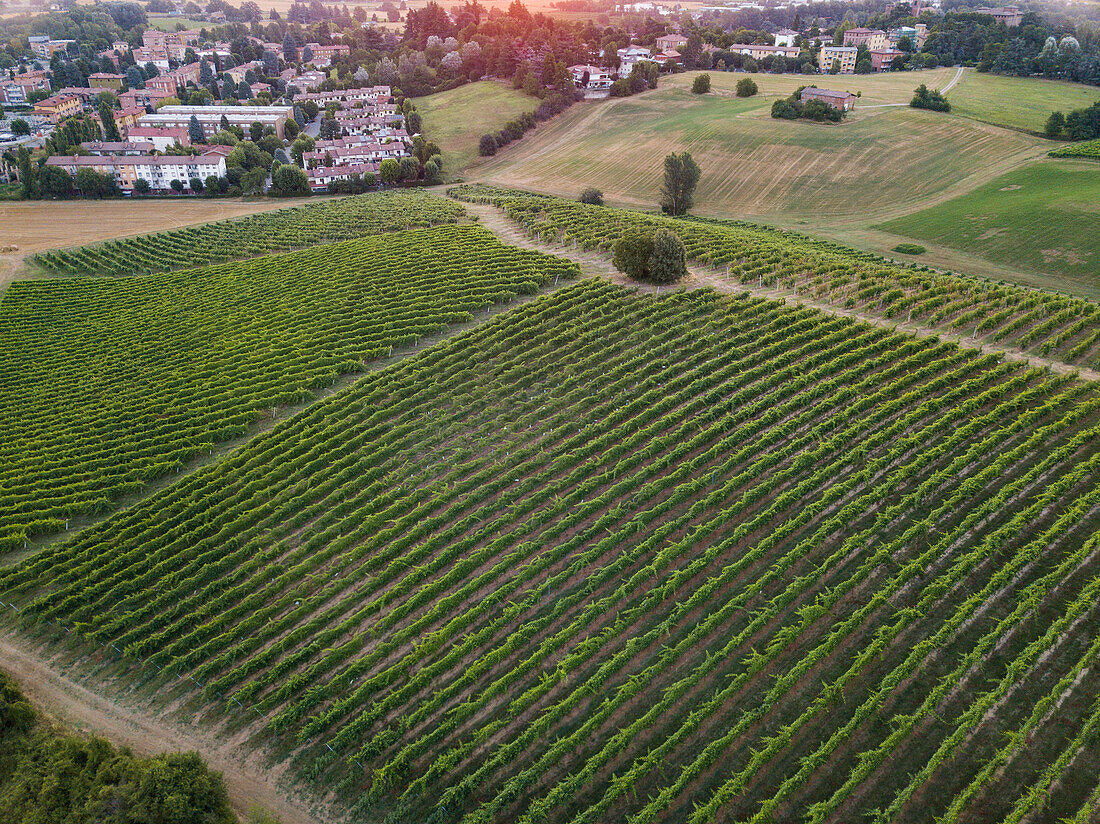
(681, 177)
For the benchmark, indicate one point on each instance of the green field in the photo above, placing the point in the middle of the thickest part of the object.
(457, 119)
(1043, 219)
(615, 557)
(885, 160)
(1017, 102)
(171, 23)
(111, 383)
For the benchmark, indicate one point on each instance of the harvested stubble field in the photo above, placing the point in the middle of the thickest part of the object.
(614, 557)
(111, 383)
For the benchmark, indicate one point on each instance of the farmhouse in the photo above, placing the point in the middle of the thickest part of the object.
(846, 55)
(210, 117)
(844, 101)
(871, 38)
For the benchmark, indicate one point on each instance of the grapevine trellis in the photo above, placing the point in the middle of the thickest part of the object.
(259, 234)
(1045, 323)
(109, 384)
(618, 558)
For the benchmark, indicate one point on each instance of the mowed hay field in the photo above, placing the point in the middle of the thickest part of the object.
(457, 119)
(1016, 102)
(883, 161)
(34, 225)
(1044, 218)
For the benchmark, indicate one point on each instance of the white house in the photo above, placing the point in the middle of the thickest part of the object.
(785, 37)
(598, 76)
(632, 55)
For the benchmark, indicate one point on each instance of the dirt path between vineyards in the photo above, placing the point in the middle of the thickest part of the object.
(53, 692)
(596, 264)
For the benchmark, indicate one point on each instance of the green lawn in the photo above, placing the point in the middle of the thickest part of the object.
(885, 159)
(457, 119)
(1043, 219)
(1017, 102)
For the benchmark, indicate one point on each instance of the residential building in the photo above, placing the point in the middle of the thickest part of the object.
(210, 117)
(59, 106)
(104, 80)
(174, 81)
(631, 56)
(123, 148)
(324, 55)
(120, 46)
(671, 42)
(143, 56)
(16, 90)
(157, 171)
(758, 52)
(871, 38)
(665, 57)
(350, 98)
(321, 176)
(597, 76)
(161, 139)
(345, 151)
(1009, 15)
(89, 97)
(45, 48)
(237, 73)
(916, 34)
(882, 59)
(128, 116)
(142, 97)
(785, 37)
(845, 101)
(846, 55)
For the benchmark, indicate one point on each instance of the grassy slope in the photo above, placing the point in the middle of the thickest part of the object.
(1041, 218)
(457, 119)
(885, 158)
(1017, 102)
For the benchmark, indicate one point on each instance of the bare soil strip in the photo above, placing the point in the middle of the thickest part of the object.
(593, 263)
(250, 783)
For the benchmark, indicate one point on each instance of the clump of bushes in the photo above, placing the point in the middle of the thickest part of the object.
(746, 87)
(910, 249)
(1079, 124)
(654, 257)
(793, 108)
(48, 775)
(925, 99)
(701, 84)
(592, 196)
(642, 76)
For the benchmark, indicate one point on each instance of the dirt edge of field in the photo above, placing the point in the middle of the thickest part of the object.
(68, 701)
